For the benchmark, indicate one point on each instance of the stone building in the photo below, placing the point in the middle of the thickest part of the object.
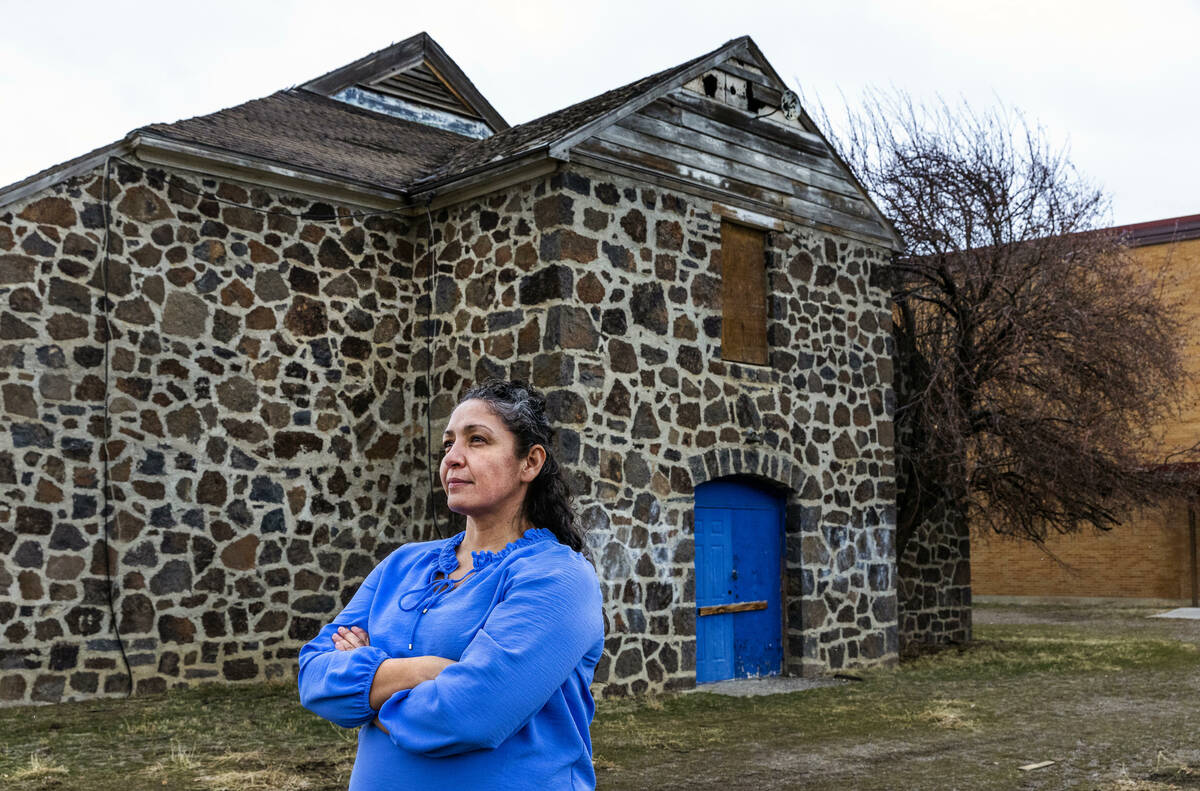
(223, 342)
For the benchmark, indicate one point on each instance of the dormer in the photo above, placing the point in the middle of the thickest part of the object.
(417, 81)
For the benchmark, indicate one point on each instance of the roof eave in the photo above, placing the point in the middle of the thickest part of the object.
(210, 160)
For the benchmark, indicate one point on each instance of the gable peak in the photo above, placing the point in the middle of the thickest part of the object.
(416, 80)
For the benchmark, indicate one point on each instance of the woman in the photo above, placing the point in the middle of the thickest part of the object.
(470, 659)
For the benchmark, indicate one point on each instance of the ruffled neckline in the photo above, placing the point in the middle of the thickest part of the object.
(447, 559)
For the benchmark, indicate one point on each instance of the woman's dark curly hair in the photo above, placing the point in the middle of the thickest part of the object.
(548, 500)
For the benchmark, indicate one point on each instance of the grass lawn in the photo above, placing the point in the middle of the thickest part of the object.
(1111, 697)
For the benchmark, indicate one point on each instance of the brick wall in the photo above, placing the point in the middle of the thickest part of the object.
(1147, 559)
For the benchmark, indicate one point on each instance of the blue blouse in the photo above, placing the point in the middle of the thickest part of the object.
(525, 630)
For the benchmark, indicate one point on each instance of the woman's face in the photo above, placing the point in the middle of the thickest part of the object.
(480, 471)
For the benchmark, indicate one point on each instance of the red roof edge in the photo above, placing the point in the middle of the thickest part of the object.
(1172, 229)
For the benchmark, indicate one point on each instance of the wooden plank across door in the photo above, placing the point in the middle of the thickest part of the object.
(742, 606)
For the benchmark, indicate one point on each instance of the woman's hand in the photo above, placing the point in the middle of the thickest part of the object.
(394, 675)
(349, 639)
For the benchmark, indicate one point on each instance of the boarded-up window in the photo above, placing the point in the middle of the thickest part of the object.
(743, 294)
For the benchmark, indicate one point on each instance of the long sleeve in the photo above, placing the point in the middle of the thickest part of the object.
(530, 643)
(337, 684)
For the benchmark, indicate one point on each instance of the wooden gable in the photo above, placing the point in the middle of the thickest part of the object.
(731, 128)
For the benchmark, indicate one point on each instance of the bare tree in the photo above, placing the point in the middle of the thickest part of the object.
(1035, 358)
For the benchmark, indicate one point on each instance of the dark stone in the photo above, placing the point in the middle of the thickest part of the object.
(552, 282)
(649, 308)
(565, 406)
(318, 604)
(239, 669)
(34, 244)
(554, 210)
(33, 521)
(567, 244)
(48, 689)
(619, 256)
(608, 194)
(303, 281)
(332, 255)
(137, 613)
(613, 322)
(174, 577)
(74, 296)
(644, 424)
(659, 596)
(25, 435)
(288, 444)
(569, 327)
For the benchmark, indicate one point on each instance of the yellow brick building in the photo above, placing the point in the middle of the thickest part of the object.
(1154, 557)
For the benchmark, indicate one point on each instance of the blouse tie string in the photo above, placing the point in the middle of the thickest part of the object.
(429, 595)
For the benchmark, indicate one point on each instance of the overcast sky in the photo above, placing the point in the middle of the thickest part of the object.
(1117, 81)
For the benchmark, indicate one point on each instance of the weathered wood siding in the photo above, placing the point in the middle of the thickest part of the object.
(706, 134)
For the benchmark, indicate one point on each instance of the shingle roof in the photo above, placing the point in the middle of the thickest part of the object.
(553, 126)
(303, 129)
(308, 131)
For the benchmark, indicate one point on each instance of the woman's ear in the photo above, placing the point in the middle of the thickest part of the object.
(533, 463)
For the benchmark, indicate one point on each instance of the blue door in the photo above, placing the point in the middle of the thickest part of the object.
(739, 544)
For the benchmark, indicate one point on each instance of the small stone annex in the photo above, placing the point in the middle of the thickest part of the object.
(223, 342)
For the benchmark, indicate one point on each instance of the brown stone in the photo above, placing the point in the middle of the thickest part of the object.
(143, 204)
(622, 357)
(261, 318)
(553, 210)
(47, 492)
(261, 254)
(617, 403)
(12, 328)
(250, 431)
(135, 311)
(174, 629)
(16, 269)
(212, 489)
(66, 326)
(64, 567)
(237, 293)
(634, 224)
(526, 257)
(567, 244)
(50, 211)
(241, 554)
(306, 317)
(668, 235)
(18, 400)
(184, 423)
(30, 583)
(243, 218)
(185, 315)
(590, 289)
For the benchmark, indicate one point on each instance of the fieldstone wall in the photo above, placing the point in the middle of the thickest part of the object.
(606, 293)
(265, 385)
(257, 390)
(934, 582)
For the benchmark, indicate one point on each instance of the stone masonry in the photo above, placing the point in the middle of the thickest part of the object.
(266, 390)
